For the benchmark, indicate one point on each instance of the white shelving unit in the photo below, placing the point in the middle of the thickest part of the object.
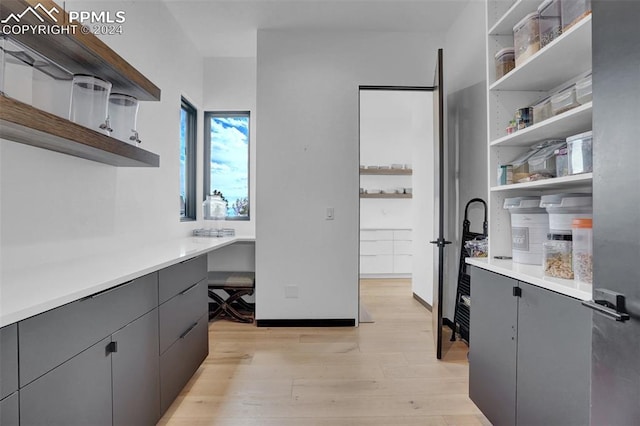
(562, 61)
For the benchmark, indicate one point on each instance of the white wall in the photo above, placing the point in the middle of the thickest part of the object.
(307, 98)
(55, 206)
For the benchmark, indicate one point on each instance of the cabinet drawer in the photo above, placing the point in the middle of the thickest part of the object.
(181, 360)
(177, 278)
(76, 393)
(49, 339)
(8, 360)
(381, 264)
(9, 410)
(402, 247)
(402, 264)
(181, 312)
(376, 247)
(402, 234)
(376, 234)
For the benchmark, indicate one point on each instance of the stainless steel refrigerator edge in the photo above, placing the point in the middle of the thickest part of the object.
(615, 359)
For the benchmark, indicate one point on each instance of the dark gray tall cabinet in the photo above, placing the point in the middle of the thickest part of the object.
(615, 381)
(529, 353)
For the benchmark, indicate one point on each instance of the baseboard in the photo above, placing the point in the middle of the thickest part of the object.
(331, 322)
(423, 302)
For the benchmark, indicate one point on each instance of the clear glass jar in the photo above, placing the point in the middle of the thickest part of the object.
(89, 99)
(557, 256)
(526, 38)
(582, 230)
(215, 208)
(123, 114)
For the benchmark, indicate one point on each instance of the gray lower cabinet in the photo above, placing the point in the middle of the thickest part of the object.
(9, 410)
(78, 392)
(136, 373)
(529, 353)
(8, 360)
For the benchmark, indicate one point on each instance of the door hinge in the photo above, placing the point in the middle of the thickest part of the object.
(517, 292)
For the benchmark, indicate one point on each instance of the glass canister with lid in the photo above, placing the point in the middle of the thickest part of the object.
(526, 38)
(557, 255)
(582, 234)
(505, 62)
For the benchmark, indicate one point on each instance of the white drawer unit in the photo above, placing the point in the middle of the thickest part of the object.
(385, 251)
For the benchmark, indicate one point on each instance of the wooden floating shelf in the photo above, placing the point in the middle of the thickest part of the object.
(386, 171)
(386, 195)
(23, 123)
(79, 53)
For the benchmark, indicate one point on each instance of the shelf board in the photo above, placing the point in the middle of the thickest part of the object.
(386, 195)
(386, 171)
(584, 179)
(574, 121)
(561, 60)
(80, 53)
(25, 124)
(520, 9)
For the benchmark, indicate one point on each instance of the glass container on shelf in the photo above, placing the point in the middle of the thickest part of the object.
(557, 256)
(89, 102)
(123, 113)
(582, 230)
(550, 21)
(580, 153)
(526, 38)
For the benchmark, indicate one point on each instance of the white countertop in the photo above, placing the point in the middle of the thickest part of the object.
(30, 291)
(532, 274)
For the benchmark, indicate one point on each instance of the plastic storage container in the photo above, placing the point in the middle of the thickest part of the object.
(564, 101)
(563, 208)
(505, 62)
(580, 149)
(89, 98)
(573, 11)
(583, 90)
(123, 114)
(542, 111)
(562, 161)
(542, 164)
(520, 166)
(582, 231)
(550, 21)
(529, 228)
(557, 256)
(526, 38)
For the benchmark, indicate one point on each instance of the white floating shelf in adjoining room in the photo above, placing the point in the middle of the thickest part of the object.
(386, 195)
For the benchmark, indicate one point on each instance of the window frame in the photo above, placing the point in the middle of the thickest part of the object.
(207, 154)
(190, 209)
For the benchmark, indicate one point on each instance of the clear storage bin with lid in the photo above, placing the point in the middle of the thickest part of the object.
(542, 110)
(573, 11)
(505, 62)
(89, 98)
(582, 232)
(520, 165)
(123, 114)
(542, 164)
(550, 21)
(564, 101)
(565, 207)
(557, 256)
(526, 38)
(562, 161)
(580, 153)
(529, 228)
(584, 90)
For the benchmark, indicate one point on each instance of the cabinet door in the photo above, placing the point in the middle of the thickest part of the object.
(136, 373)
(180, 312)
(77, 392)
(9, 411)
(376, 264)
(493, 346)
(554, 352)
(8, 360)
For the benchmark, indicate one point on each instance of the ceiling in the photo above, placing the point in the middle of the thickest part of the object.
(228, 27)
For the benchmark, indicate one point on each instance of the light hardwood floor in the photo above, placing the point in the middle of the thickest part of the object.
(381, 373)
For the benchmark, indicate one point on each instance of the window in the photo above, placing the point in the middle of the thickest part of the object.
(226, 167)
(187, 161)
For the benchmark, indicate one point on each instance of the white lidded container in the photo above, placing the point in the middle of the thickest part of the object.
(529, 228)
(123, 114)
(89, 98)
(563, 208)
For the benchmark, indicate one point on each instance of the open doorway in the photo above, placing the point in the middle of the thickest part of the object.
(397, 187)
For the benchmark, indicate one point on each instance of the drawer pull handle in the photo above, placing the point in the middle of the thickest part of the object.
(112, 347)
(189, 330)
(190, 260)
(109, 290)
(187, 290)
(608, 303)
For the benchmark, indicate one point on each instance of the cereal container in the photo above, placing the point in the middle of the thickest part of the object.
(582, 230)
(505, 62)
(557, 258)
(549, 21)
(526, 38)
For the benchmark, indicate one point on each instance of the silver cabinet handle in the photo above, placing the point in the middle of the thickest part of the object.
(609, 303)
(189, 330)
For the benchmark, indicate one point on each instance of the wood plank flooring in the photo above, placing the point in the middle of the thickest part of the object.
(381, 373)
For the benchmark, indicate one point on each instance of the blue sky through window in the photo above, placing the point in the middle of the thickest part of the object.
(230, 161)
(183, 160)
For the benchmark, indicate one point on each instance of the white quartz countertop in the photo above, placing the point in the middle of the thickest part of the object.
(30, 291)
(532, 274)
